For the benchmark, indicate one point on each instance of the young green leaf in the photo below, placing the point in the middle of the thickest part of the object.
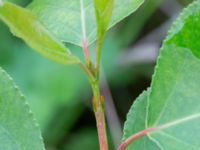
(63, 17)
(18, 129)
(173, 104)
(103, 10)
(26, 26)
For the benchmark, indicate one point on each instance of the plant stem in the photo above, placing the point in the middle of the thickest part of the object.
(98, 106)
(86, 52)
(84, 36)
(93, 75)
(98, 56)
(88, 72)
(112, 118)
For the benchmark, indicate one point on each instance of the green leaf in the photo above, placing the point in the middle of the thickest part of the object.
(50, 92)
(26, 26)
(63, 17)
(136, 122)
(18, 130)
(103, 9)
(173, 104)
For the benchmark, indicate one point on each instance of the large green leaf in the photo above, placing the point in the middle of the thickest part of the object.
(63, 17)
(18, 130)
(173, 103)
(26, 26)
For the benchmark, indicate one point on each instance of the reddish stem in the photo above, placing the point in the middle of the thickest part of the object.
(100, 119)
(98, 106)
(85, 49)
(136, 136)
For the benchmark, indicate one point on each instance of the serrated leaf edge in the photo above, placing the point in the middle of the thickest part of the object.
(132, 112)
(24, 103)
(170, 34)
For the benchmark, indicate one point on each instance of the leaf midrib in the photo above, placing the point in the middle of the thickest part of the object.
(168, 125)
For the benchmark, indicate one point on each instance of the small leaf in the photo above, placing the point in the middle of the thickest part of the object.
(103, 15)
(18, 130)
(173, 104)
(26, 26)
(63, 17)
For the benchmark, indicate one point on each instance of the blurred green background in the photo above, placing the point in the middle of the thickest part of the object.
(60, 96)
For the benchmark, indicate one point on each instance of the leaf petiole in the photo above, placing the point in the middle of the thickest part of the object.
(84, 35)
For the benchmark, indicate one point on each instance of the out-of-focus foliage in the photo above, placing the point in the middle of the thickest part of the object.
(131, 28)
(86, 138)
